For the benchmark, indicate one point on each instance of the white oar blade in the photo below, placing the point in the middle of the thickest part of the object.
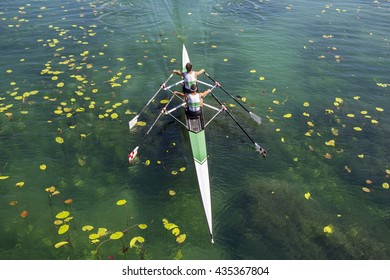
(261, 150)
(133, 122)
(133, 154)
(256, 118)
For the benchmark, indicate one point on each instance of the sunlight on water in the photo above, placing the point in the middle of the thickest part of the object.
(75, 72)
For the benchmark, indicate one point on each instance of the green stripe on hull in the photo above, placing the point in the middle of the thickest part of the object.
(198, 145)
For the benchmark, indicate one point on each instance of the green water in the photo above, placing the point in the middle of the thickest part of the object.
(305, 52)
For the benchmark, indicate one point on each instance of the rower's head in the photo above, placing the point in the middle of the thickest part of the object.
(193, 88)
(189, 67)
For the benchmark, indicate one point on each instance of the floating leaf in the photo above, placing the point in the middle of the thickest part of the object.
(139, 239)
(356, 97)
(307, 195)
(172, 192)
(347, 169)
(287, 116)
(121, 202)
(87, 228)
(147, 162)
(43, 167)
(364, 112)
(60, 244)
(329, 229)
(102, 231)
(388, 171)
(60, 85)
(176, 231)
(63, 229)
(365, 189)
(24, 214)
(360, 156)
(62, 215)
(261, 78)
(93, 236)
(306, 104)
(330, 143)
(379, 109)
(19, 184)
(182, 169)
(68, 201)
(170, 226)
(59, 140)
(252, 71)
(310, 123)
(58, 222)
(143, 226)
(385, 185)
(181, 238)
(276, 102)
(350, 115)
(140, 123)
(328, 156)
(116, 235)
(4, 177)
(174, 172)
(164, 101)
(114, 116)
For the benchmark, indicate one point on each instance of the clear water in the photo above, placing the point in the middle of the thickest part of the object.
(306, 52)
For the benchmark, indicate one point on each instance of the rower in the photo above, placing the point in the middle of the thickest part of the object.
(190, 77)
(194, 101)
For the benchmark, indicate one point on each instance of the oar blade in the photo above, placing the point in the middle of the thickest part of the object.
(133, 154)
(255, 117)
(260, 150)
(133, 122)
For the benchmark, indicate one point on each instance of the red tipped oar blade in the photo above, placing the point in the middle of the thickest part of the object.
(133, 154)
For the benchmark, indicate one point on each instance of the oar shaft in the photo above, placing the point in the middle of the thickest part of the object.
(233, 118)
(156, 120)
(154, 96)
(219, 85)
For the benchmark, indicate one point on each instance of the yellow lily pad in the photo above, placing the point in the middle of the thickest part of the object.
(60, 244)
(306, 104)
(181, 238)
(143, 226)
(93, 236)
(63, 229)
(176, 231)
(140, 123)
(357, 128)
(350, 115)
(330, 143)
(287, 116)
(116, 235)
(114, 116)
(172, 192)
(102, 232)
(87, 228)
(307, 195)
(379, 109)
(133, 241)
(62, 215)
(59, 140)
(182, 169)
(385, 185)
(121, 202)
(19, 184)
(329, 229)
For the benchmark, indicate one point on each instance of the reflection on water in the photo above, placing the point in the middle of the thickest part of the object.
(74, 73)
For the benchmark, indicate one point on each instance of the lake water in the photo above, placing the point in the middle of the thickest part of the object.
(76, 72)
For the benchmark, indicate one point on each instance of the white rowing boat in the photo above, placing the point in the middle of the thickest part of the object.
(196, 129)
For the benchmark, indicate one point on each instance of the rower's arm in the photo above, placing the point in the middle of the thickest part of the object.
(179, 93)
(201, 71)
(203, 94)
(178, 72)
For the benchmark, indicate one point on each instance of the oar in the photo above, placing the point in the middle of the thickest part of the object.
(257, 146)
(133, 122)
(253, 116)
(132, 155)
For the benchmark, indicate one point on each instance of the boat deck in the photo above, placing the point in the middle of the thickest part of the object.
(195, 124)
